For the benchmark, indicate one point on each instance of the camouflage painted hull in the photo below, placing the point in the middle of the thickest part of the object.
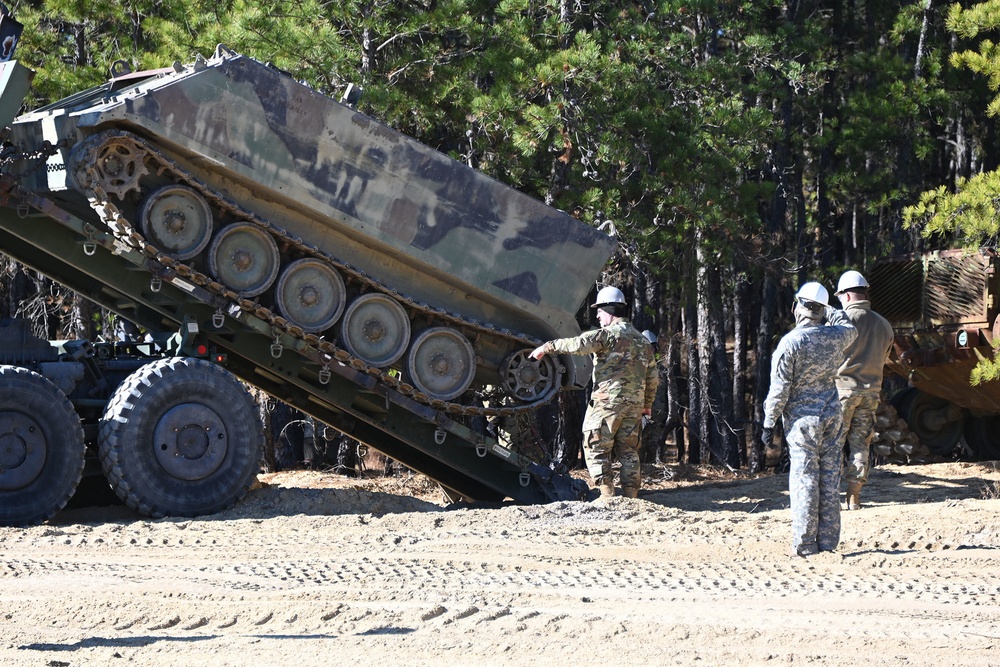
(389, 214)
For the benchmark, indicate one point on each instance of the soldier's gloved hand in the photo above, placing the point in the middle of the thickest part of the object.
(767, 437)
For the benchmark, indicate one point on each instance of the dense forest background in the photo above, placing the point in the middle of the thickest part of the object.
(739, 147)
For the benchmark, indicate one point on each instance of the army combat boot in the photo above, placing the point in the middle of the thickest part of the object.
(854, 495)
(607, 489)
(630, 492)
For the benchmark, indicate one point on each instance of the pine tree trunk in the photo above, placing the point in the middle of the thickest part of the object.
(765, 335)
(693, 386)
(717, 437)
(741, 322)
(674, 398)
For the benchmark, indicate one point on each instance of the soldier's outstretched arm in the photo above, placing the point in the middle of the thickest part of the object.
(541, 351)
(586, 343)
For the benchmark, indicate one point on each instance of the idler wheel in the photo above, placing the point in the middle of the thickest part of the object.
(441, 363)
(244, 258)
(375, 329)
(177, 220)
(311, 295)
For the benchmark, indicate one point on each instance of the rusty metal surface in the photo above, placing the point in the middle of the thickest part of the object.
(941, 306)
(936, 364)
(940, 289)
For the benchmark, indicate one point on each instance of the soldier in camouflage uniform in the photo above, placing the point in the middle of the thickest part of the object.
(803, 393)
(859, 379)
(625, 381)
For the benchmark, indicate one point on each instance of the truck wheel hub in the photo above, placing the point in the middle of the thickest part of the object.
(190, 441)
(13, 451)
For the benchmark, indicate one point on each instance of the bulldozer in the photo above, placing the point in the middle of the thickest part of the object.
(944, 309)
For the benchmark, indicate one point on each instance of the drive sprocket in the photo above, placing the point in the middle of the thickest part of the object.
(114, 164)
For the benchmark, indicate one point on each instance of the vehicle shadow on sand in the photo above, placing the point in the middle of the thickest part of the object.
(896, 485)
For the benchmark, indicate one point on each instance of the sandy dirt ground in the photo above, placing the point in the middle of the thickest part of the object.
(316, 569)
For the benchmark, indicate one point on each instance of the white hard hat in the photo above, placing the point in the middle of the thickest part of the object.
(609, 296)
(814, 292)
(650, 336)
(850, 280)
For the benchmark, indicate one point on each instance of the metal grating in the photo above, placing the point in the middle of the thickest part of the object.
(936, 289)
(895, 288)
(956, 287)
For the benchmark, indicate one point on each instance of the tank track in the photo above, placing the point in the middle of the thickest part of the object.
(128, 235)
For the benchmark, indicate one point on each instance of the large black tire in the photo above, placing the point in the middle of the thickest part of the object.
(41, 448)
(181, 437)
(941, 439)
(983, 437)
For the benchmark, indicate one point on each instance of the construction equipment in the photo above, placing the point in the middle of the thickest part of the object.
(344, 268)
(943, 307)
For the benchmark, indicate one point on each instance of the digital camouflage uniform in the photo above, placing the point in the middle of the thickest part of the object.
(859, 381)
(625, 381)
(803, 393)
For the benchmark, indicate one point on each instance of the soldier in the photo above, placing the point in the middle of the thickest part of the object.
(804, 394)
(625, 380)
(859, 379)
(651, 434)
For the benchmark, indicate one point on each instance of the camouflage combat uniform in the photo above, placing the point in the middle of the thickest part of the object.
(625, 381)
(804, 395)
(859, 381)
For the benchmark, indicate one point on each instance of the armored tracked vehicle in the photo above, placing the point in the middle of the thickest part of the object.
(944, 309)
(345, 268)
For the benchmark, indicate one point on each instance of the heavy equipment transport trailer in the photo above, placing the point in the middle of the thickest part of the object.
(76, 253)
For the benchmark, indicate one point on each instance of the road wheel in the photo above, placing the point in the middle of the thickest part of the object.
(310, 295)
(181, 437)
(244, 258)
(177, 220)
(41, 448)
(375, 329)
(441, 363)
